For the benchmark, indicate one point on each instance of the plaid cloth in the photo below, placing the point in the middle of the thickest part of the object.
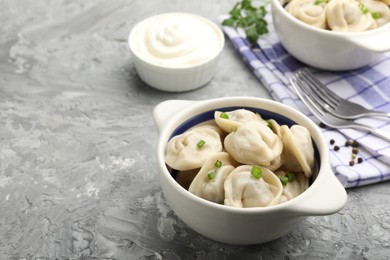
(368, 86)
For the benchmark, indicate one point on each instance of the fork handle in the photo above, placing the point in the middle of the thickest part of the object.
(378, 113)
(375, 131)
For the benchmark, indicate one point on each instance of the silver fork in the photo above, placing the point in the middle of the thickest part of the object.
(312, 101)
(333, 103)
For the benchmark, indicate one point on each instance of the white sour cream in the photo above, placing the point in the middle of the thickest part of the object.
(176, 40)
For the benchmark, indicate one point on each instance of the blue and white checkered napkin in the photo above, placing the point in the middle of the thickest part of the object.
(368, 86)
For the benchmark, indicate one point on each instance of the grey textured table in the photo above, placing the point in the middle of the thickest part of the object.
(78, 177)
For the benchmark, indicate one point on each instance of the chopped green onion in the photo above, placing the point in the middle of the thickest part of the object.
(256, 172)
(363, 8)
(211, 175)
(375, 15)
(318, 2)
(201, 143)
(218, 164)
(269, 123)
(283, 180)
(290, 176)
(224, 115)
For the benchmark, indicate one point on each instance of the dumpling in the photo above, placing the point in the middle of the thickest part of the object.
(347, 16)
(380, 9)
(298, 151)
(387, 2)
(190, 150)
(208, 183)
(274, 164)
(253, 143)
(308, 12)
(231, 120)
(275, 127)
(277, 162)
(243, 190)
(293, 188)
(212, 125)
(302, 180)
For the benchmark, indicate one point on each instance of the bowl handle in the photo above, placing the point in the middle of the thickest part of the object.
(378, 42)
(166, 109)
(323, 200)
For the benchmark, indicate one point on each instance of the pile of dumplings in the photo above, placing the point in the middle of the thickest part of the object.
(341, 15)
(241, 160)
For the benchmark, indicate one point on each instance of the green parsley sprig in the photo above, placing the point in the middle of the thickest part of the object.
(250, 18)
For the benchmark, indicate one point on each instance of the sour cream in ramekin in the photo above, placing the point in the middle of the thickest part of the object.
(176, 40)
(176, 52)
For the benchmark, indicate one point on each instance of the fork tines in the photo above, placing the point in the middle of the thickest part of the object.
(302, 83)
(327, 96)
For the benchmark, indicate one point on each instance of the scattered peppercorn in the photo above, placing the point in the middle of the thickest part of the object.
(349, 142)
(322, 125)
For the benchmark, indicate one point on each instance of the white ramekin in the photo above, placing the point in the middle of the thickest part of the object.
(173, 79)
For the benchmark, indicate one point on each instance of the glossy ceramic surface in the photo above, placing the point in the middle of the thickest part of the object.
(177, 79)
(243, 225)
(326, 49)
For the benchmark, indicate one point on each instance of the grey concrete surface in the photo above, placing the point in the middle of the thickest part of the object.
(78, 177)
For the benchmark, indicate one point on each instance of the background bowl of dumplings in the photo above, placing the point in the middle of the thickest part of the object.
(333, 34)
(243, 170)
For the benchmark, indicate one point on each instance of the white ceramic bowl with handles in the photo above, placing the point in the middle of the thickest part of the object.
(244, 226)
(326, 49)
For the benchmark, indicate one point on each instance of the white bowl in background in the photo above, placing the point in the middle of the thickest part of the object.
(244, 225)
(155, 41)
(327, 49)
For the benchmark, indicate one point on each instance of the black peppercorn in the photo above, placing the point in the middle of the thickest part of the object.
(332, 141)
(360, 160)
(336, 148)
(322, 125)
(349, 142)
